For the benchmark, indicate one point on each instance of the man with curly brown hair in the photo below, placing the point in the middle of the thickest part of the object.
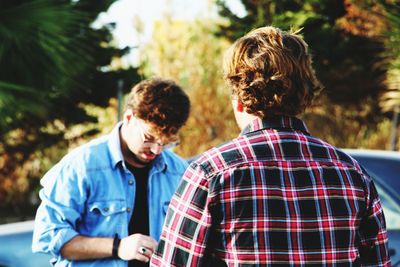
(275, 195)
(105, 202)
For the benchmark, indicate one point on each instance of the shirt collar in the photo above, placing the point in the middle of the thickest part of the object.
(277, 123)
(114, 145)
(159, 163)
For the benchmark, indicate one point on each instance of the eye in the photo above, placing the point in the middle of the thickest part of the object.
(149, 138)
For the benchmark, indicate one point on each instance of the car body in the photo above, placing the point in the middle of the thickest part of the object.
(15, 246)
(383, 167)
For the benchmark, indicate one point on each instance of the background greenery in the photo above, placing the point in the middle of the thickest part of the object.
(59, 83)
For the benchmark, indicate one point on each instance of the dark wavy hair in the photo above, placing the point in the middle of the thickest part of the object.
(161, 103)
(270, 72)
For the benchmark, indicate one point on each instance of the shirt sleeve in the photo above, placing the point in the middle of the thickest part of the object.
(187, 227)
(373, 247)
(63, 197)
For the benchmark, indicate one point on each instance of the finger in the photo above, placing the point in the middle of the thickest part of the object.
(129, 248)
(149, 243)
(148, 252)
(143, 250)
(141, 257)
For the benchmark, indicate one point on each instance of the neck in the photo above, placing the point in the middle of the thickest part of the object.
(243, 119)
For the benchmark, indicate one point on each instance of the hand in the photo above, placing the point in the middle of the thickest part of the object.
(137, 247)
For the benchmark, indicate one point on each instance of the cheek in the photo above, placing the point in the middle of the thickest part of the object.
(134, 144)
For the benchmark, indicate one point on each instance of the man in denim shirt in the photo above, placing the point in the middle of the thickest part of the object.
(105, 202)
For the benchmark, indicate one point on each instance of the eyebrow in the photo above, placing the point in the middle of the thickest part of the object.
(148, 136)
(151, 138)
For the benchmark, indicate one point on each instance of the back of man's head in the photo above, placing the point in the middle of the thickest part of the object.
(161, 103)
(270, 72)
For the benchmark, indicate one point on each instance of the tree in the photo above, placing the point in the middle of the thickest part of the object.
(339, 55)
(190, 54)
(391, 34)
(37, 49)
(348, 62)
(52, 66)
(390, 100)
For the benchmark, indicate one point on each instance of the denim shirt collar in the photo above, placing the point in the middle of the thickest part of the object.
(114, 146)
(159, 163)
(276, 123)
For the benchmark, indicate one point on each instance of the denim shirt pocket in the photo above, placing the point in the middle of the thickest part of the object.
(106, 217)
(107, 208)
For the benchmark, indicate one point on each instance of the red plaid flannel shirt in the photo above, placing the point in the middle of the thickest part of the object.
(274, 196)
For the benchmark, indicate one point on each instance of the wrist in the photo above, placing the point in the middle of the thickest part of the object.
(115, 247)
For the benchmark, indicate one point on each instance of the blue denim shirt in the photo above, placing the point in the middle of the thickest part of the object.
(90, 192)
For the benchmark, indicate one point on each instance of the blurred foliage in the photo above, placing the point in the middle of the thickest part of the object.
(53, 63)
(349, 76)
(190, 54)
(391, 10)
(57, 75)
(340, 126)
(19, 189)
(52, 59)
(345, 38)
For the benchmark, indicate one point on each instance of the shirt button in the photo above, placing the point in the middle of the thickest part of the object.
(128, 209)
(130, 182)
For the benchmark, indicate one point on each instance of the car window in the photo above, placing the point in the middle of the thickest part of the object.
(385, 172)
(384, 169)
(391, 209)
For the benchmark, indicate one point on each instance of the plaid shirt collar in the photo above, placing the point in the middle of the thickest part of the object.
(277, 123)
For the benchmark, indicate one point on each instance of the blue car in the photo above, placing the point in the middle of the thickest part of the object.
(15, 246)
(383, 166)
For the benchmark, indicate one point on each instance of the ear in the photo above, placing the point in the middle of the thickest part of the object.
(240, 107)
(128, 117)
(237, 105)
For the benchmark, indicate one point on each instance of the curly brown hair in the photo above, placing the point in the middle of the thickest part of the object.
(161, 103)
(270, 72)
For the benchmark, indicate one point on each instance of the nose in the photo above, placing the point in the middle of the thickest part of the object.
(156, 148)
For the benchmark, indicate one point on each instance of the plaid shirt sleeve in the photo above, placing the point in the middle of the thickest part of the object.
(373, 236)
(187, 227)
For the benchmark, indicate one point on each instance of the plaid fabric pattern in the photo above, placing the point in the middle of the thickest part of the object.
(274, 196)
